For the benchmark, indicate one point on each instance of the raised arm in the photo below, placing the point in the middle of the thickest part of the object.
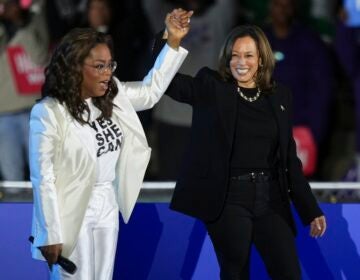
(183, 88)
(145, 94)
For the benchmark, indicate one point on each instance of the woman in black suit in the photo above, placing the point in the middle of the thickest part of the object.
(241, 168)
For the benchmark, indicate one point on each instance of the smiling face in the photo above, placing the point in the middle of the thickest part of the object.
(245, 61)
(95, 84)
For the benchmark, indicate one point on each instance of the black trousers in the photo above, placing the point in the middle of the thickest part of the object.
(252, 215)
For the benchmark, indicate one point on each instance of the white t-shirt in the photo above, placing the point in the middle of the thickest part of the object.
(103, 138)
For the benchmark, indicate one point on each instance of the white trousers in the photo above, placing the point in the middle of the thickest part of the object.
(94, 253)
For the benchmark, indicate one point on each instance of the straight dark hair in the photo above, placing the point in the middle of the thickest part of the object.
(64, 76)
(263, 77)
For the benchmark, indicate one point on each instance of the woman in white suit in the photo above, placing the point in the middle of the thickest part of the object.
(88, 151)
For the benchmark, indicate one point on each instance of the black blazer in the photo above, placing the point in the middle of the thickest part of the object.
(203, 181)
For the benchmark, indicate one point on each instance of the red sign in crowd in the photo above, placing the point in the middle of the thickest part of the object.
(27, 76)
(306, 149)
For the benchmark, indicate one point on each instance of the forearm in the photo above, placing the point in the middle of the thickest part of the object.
(143, 95)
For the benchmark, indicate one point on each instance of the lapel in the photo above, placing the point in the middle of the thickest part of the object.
(134, 157)
(280, 111)
(226, 105)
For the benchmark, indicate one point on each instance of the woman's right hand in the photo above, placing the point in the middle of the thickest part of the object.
(318, 227)
(51, 253)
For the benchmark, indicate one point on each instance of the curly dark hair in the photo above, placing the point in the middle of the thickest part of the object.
(63, 76)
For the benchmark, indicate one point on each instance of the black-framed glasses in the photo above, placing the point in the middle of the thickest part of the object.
(101, 67)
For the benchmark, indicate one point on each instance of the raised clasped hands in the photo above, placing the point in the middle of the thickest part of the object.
(318, 227)
(177, 26)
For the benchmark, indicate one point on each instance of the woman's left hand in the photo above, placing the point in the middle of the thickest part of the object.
(318, 227)
(177, 26)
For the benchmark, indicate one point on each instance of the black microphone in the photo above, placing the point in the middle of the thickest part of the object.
(65, 263)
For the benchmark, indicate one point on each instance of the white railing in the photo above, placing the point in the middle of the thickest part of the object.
(333, 192)
(170, 185)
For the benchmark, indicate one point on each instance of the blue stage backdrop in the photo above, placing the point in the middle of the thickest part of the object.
(159, 244)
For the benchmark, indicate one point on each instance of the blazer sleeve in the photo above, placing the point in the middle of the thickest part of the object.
(146, 93)
(191, 90)
(300, 190)
(44, 140)
(185, 88)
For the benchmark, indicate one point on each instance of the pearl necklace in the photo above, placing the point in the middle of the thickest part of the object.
(249, 99)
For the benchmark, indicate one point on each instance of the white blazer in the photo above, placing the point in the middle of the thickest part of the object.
(62, 171)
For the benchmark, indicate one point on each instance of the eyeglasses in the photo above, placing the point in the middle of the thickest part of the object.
(101, 67)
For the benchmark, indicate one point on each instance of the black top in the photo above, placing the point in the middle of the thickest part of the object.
(256, 135)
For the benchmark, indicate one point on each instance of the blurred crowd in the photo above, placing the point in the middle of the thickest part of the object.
(316, 44)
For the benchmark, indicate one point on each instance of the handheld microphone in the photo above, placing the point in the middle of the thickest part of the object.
(65, 263)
